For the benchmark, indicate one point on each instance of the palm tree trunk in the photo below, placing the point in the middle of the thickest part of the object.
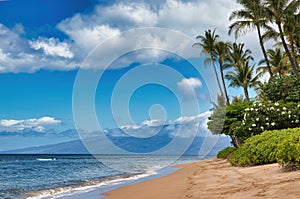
(246, 93)
(294, 67)
(293, 51)
(217, 77)
(223, 81)
(264, 50)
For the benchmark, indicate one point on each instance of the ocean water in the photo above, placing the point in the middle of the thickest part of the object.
(67, 176)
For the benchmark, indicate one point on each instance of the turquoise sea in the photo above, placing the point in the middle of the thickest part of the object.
(77, 176)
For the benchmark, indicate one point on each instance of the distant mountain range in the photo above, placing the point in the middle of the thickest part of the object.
(98, 145)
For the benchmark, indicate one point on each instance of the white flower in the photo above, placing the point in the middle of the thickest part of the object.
(250, 129)
(260, 104)
(272, 108)
(284, 108)
(273, 123)
(251, 109)
(289, 116)
(276, 104)
(257, 119)
(247, 109)
(256, 109)
(282, 113)
(262, 128)
(267, 123)
(253, 125)
(267, 118)
(297, 121)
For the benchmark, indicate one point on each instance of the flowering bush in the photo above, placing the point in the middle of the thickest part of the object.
(262, 116)
(224, 118)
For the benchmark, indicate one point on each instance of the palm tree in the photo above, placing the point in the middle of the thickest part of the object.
(220, 103)
(251, 17)
(278, 11)
(207, 43)
(237, 55)
(261, 95)
(221, 51)
(278, 62)
(291, 30)
(236, 98)
(243, 77)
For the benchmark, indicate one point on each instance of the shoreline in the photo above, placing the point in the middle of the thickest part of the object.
(97, 187)
(215, 178)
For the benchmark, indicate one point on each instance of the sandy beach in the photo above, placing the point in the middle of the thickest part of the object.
(215, 178)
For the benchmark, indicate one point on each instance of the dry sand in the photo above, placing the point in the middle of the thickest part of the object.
(215, 178)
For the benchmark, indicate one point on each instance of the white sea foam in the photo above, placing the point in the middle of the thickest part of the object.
(88, 186)
(45, 159)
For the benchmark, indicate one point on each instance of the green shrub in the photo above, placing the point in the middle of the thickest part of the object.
(225, 153)
(267, 147)
(286, 88)
(222, 119)
(288, 152)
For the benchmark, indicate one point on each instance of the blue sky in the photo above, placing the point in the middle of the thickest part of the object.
(45, 44)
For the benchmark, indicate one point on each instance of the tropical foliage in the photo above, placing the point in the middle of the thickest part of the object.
(243, 76)
(224, 119)
(225, 153)
(277, 61)
(286, 88)
(263, 116)
(280, 146)
(273, 20)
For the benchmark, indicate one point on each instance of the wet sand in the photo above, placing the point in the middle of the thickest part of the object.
(215, 178)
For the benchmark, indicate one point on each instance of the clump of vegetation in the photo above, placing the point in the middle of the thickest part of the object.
(225, 153)
(280, 146)
(223, 118)
(288, 151)
(263, 116)
(259, 130)
(242, 120)
(286, 88)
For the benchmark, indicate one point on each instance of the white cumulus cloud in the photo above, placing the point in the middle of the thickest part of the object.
(189, 87)
(185, 126)
(35, 124)
(18, 54)
(85, 31)
(90, 30)
(52, 47)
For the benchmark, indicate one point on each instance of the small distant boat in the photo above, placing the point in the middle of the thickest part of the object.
(46, 159)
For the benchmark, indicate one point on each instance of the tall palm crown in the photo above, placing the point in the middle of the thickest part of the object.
(243, 77)
(252, 16)
(207, 44)
(291, 28)
(237, 55)
(278, 62)
(280, 11)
